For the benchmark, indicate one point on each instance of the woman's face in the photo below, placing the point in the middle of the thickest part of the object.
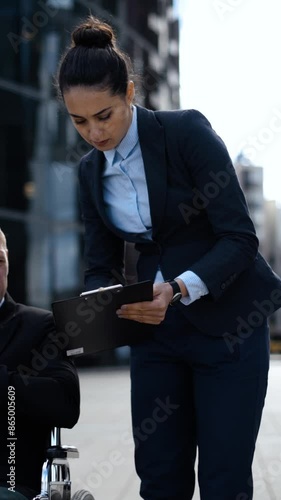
(100, 118)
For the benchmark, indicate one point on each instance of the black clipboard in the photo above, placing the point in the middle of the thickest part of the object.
(88, 324)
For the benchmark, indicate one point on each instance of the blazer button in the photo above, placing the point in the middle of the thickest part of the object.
(223, 285)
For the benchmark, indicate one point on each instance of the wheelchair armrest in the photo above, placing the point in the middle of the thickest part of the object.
(63, 451)
(71, 451)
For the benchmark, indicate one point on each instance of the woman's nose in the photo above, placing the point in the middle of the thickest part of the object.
(95, 133)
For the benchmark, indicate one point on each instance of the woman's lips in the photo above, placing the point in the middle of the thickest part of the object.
(101, 143)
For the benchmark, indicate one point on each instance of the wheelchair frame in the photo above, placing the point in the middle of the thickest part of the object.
(55, 477)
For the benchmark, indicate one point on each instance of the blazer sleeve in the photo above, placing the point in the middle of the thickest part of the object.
(47, 388)
(104, 251)
(217, 191)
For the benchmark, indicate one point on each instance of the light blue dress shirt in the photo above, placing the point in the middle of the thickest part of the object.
(127, 203)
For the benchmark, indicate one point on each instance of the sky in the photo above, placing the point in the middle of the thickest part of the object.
(230, 70)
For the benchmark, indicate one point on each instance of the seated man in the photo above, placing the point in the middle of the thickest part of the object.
(39, 389)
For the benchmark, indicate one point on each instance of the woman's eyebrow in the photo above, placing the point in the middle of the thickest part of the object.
(96, 114)
(102, 111)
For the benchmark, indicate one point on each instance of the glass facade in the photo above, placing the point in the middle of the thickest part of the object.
(40, 149)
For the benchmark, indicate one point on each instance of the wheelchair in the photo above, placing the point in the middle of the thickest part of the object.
(55, 478)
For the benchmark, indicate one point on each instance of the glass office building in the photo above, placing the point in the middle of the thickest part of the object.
(39, 147)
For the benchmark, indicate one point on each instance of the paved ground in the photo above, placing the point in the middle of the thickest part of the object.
(103, 437)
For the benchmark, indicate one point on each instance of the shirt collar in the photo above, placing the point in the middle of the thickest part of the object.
(2, 301)
(128, 142)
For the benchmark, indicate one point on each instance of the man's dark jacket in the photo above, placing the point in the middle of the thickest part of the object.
(46, 390)
(200, 222)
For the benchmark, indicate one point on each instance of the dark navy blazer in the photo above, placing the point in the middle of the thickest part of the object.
(200, 222)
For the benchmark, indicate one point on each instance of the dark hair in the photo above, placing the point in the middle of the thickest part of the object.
(94, 60)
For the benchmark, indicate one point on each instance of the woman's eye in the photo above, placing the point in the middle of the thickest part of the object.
(105, 117)
(78, 123)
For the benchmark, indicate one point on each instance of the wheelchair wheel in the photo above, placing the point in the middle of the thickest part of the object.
(82, 495)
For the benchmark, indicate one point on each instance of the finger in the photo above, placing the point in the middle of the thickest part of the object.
(143, 307)
(139, 306)
(143, 318)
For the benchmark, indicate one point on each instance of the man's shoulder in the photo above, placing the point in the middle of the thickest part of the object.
(13, 308)
(33, 314)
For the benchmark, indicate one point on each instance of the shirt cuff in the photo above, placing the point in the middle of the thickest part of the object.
(195, 286)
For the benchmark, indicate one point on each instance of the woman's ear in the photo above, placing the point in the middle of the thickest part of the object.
(130, 95)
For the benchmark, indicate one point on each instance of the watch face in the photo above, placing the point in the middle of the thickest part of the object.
(176, 298)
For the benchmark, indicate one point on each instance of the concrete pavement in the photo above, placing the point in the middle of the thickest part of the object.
(103, 437)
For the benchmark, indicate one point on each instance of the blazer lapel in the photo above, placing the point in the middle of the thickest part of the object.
(95, 167)
(152, 143)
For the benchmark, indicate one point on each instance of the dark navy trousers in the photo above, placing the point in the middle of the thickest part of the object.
(193, 393)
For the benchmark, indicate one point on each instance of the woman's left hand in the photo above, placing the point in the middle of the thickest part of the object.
(152, 312)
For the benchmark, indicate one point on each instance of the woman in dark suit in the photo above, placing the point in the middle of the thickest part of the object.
(164, 181)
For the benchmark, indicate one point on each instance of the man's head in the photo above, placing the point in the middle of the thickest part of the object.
(4, 265)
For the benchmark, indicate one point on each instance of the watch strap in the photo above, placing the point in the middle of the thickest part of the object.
(177, 295)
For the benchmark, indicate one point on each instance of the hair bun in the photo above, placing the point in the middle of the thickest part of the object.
(93, 33)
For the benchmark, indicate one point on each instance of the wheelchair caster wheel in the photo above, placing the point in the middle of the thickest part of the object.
(55, 495)
(82, 495)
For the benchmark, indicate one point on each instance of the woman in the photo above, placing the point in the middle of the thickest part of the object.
(164, 180)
